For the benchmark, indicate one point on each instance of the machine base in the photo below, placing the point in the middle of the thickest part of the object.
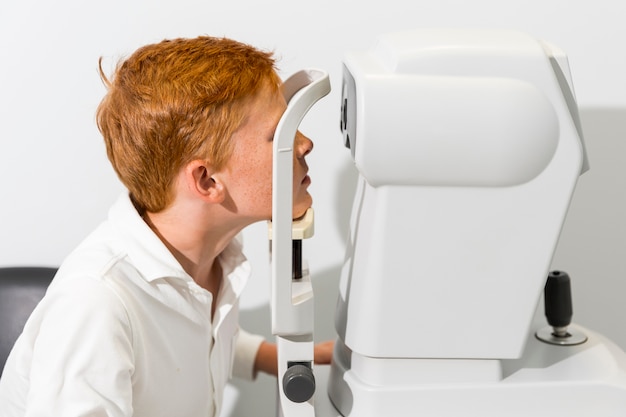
(588, 379)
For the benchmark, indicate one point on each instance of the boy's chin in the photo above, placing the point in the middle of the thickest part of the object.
(301, 208)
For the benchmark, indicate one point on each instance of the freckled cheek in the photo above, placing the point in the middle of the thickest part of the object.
(255, 176)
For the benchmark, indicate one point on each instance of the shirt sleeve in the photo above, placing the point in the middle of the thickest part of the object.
(246, 348)
(82, 359)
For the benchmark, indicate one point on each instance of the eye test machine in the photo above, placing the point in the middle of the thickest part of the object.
(468, 146)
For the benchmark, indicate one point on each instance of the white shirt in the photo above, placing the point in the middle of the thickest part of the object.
(123, 330)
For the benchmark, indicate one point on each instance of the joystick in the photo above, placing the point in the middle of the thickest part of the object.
(559, 311)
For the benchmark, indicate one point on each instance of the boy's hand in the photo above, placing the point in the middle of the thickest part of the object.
(323, 352)
(267, 356)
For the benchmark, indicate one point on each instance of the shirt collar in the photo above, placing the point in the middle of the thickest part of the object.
(154, 260)
(146, 251)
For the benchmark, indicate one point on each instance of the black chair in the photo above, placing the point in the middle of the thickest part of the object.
(21, 288)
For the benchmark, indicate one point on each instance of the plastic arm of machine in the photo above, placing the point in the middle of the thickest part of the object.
(292, 294)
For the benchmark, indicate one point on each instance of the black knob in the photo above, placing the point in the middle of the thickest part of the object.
(299, 383)
(558, 300)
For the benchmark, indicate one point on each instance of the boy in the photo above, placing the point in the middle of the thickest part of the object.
(142, 319)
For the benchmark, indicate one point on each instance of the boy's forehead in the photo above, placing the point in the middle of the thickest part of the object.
(266, 107)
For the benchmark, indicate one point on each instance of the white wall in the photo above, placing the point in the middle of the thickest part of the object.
(56, 184)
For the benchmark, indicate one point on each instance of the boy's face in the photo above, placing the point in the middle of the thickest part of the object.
(249, 169)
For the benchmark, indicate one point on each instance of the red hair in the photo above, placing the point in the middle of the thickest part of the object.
(176, 101)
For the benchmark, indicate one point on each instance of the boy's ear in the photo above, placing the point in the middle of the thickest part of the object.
(200, 180)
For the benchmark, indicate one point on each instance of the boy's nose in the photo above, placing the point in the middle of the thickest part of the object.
(302, 145)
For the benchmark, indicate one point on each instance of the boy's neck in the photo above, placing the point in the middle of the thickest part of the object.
(194, 243)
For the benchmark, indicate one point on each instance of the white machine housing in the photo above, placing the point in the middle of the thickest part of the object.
(469, 147)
